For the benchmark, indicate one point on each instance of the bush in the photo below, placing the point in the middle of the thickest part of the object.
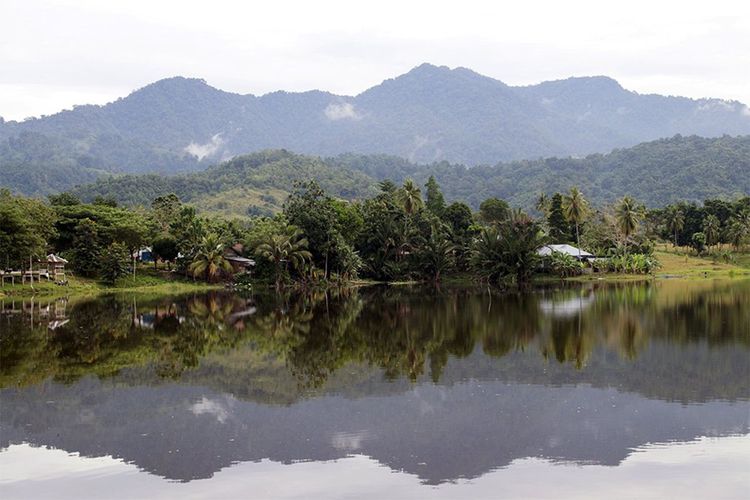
(563, 265)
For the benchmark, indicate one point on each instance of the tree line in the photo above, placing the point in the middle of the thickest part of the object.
(397, 235)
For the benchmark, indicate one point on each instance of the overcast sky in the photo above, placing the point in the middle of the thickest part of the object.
(56, 53)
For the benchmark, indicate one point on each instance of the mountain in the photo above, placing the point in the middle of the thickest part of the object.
(696, 168)
(428, 114)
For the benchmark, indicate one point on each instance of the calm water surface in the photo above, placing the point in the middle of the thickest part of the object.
(581, 391)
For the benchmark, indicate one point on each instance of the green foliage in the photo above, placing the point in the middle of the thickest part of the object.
(86, 250)
(113, 263)
(559, 229)
(26, 225)
(698, 242)
(493, 211)
(289, 246)
(563, 265)
(209, 260)
(508, 251)
(410, 197)
(435, 200)
(165, 248)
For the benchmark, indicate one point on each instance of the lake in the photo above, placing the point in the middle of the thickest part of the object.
(626, 390)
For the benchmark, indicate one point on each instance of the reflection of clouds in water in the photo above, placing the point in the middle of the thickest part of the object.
(349, 441)
(218, 409)
(566, 308)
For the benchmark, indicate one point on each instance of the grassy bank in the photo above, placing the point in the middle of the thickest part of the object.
(146, 281)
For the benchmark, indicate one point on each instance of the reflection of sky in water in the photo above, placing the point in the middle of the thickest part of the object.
(706, 468)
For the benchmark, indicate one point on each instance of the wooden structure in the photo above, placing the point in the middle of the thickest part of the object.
(52, 268)
(56, 267)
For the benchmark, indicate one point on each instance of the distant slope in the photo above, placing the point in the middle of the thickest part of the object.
(253, 184)
(428, 114)
(681, 168)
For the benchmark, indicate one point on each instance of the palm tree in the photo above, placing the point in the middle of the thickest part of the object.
(711, 228)
(437, 254)
(628, 216)
(209, 258)
(738, 229)
(410, 197)
(575, 209)
(675, 221)
(289, 246)
(508, 250)
(542, 204)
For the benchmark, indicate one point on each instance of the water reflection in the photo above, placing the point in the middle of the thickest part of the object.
(443, 384)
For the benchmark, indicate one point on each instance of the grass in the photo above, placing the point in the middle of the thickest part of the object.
(146, 280)
(690, 266)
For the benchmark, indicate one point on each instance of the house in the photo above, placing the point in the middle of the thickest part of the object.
(239, 263)
(574, 252)
(145, 254)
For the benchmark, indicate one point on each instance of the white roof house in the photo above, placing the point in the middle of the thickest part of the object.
(566, 249)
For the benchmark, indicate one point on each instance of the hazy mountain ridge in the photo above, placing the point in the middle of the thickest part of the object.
(428, 114)
(258, 183)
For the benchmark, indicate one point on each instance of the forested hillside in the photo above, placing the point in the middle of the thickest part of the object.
(426, 115)
(656, 173)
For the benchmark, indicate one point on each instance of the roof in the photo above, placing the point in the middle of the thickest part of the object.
(56, 259)
(566, 249)
(240, 260)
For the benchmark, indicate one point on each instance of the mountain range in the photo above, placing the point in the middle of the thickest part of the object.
(429, 114)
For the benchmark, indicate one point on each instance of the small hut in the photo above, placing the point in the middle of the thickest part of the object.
(56, 267)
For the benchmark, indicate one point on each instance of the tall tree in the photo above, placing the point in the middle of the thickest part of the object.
(410, 197)
(494, 211)
(628, 215)
(712, 229)
(435, 201)
(575, 208)
(86, 248)
(289, 246)
(559, 229)
(113, 264)
(675, 221)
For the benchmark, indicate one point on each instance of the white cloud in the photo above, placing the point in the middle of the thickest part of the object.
(341, 111)
(211, 407)
(208, 149)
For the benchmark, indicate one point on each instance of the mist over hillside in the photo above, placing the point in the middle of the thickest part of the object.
(258, 183)
(427, 115)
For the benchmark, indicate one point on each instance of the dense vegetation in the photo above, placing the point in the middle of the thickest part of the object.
(257, 184)
(429, 114)
(395, 235)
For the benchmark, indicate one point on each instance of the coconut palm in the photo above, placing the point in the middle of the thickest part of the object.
(542, 203)
(628, 215)
(209, 258)
(711, 228)
(410, 197)
(738, 229)
(282, 249)
(675, 221)
(575, 209)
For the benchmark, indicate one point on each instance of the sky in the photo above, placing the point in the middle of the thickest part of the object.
(57, 53)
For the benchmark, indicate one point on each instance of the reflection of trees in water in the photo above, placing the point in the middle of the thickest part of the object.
(403, 331)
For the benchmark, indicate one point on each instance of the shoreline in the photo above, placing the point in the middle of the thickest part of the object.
(673, 267)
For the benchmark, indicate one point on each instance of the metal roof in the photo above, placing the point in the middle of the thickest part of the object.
(566, 249)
